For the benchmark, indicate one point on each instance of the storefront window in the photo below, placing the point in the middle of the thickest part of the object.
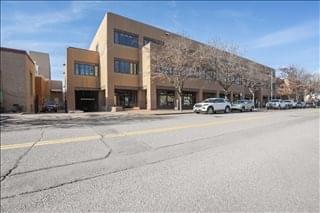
(165, 99)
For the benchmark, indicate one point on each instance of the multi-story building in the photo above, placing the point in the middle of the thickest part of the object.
(17, 76)
(116, 71)
(42, 63)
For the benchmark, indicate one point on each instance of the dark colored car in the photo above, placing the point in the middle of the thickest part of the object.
(50, 107)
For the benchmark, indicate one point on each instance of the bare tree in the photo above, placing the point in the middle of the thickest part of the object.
(254, 79)
(224, 59)
(178, 60)
(295, 80)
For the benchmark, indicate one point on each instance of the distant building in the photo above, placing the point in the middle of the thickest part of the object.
(17, 75)
(56, 93)
(53, 88)
(42, 63)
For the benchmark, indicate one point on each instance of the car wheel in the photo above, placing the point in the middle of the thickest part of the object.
(252, 109)
(227, 109)
(242, 109)
(210, 110)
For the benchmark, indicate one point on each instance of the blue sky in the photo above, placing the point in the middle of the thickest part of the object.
(271, 33)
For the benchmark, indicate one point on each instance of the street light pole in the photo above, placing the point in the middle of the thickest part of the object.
(271, 85)
(65, 90)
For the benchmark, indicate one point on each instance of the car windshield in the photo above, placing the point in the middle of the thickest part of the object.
(207, 100)
(239, 101)
(275, 100)
(50, 103)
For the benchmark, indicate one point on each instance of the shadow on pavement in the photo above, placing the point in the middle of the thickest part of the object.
(13, 122)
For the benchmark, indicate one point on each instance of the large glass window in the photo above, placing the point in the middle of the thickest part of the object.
(85, 69)
(165, 99)
(188, 99)
(147, 40)
(125, 38)
(126, 66)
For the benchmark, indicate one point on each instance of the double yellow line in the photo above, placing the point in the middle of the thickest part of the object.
(128, 134)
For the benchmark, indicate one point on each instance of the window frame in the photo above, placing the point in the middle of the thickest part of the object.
(84, 69)
(125, 33)
(133, 70)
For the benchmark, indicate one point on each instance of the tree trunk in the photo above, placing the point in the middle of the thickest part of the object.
(252, 93)
(180, 102)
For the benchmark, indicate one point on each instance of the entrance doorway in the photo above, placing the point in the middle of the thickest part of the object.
(87, 100)
(126, 98)
(165, 99)
(188, 100)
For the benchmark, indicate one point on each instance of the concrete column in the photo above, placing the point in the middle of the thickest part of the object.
(141, 99)
(218, 94)
(71, 102)
(151, 97)
(200, 95)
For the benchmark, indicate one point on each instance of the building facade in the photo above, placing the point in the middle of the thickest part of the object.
(116, 71)
(42, 63)
(17, 75)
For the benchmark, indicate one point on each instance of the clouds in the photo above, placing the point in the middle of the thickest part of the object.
(286, 35)
(48, 27)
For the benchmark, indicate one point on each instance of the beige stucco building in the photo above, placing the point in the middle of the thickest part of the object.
(17, 76)
(116, 71)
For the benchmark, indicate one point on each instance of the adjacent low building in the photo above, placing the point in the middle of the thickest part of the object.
(115, 71)
(25, 81)
(17, 76)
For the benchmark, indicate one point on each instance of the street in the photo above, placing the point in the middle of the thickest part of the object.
(254, 161)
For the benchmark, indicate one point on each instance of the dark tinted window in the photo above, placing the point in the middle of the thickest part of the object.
(125, 38)
(147, 40)
(125, 66)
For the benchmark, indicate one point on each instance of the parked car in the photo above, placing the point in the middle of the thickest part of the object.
(212, 105)
(289, 104)
(242, 105)
(301, 104)
(310, 105)
(276, 104)
(50, 107)
(294, 103)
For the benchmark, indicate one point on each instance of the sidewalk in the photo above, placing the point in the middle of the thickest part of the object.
(21, 117)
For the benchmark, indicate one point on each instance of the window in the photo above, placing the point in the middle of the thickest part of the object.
(86, 69)
(124, 38)
(126, 66)
(147, 40)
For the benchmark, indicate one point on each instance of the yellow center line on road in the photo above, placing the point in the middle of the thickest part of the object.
(127, 134)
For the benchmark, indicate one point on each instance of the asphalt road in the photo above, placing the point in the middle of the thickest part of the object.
(261, 161)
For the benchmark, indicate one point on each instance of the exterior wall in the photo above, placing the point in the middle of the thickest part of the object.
(43, 62)
(143, 83)
(79, 82)
(17, 80)
(41, 92)
(56, 94)
(99, 44)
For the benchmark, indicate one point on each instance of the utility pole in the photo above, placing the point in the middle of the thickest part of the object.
(271, 85)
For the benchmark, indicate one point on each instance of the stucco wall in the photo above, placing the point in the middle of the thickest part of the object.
(17, 80)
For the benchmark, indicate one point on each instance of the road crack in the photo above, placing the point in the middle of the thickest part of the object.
(16, 164)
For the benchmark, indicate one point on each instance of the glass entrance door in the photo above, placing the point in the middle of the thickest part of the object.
(126, 98)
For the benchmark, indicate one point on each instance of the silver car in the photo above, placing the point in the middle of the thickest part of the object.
(242, 105)
(276, 104)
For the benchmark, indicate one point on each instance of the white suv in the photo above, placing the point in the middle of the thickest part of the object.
(212, 105)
